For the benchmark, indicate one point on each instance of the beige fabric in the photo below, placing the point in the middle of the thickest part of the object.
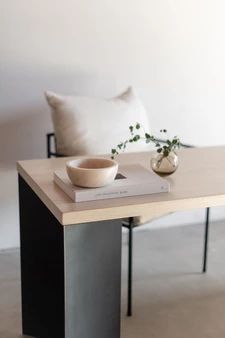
(147, 218)
(88, 125)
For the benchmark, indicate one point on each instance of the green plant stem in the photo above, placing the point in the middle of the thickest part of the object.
(170, 145)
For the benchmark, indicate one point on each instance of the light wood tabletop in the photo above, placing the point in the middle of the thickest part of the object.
(198, 183)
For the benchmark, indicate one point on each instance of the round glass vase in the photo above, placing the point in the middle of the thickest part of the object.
(164, 165)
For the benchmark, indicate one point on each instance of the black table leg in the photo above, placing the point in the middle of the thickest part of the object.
(71, 275)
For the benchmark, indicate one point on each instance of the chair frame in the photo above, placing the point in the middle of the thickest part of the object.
(130, 225)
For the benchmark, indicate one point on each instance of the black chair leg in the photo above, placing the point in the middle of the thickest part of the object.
(48, 138)
(205, 253)
(130, 266)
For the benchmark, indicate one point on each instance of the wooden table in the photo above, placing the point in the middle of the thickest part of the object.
(71, 252)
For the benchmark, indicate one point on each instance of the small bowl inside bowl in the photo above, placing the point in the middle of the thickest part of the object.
(92, 172)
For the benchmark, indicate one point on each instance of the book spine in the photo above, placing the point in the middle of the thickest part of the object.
(122, 192)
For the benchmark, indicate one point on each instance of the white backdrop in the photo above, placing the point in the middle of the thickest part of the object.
(172, 51)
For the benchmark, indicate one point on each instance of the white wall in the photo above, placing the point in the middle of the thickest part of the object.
(172, 51)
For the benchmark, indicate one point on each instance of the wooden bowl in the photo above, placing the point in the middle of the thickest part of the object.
(92, 172)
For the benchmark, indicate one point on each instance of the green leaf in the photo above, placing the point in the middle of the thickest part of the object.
(138, 126)
(159, 150)
(131, 128)
(147, 135)
(136, 138)
(113, 151)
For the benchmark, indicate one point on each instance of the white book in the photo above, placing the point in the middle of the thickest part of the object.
(131, 180)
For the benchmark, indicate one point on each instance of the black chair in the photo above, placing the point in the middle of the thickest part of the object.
(130, 224)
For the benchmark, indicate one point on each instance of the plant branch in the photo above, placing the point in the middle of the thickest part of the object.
(163, 146)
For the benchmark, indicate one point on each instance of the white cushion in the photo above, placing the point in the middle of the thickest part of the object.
(89, 125)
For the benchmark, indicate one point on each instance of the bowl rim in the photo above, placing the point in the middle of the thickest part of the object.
(113, 162)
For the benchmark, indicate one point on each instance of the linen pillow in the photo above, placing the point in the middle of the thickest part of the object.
(90, 125)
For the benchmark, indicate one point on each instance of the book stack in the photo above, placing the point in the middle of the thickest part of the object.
(131, 180)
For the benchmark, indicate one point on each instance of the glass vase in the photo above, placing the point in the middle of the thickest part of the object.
(164, 165)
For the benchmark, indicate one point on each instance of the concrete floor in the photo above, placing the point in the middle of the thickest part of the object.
(172, 299)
